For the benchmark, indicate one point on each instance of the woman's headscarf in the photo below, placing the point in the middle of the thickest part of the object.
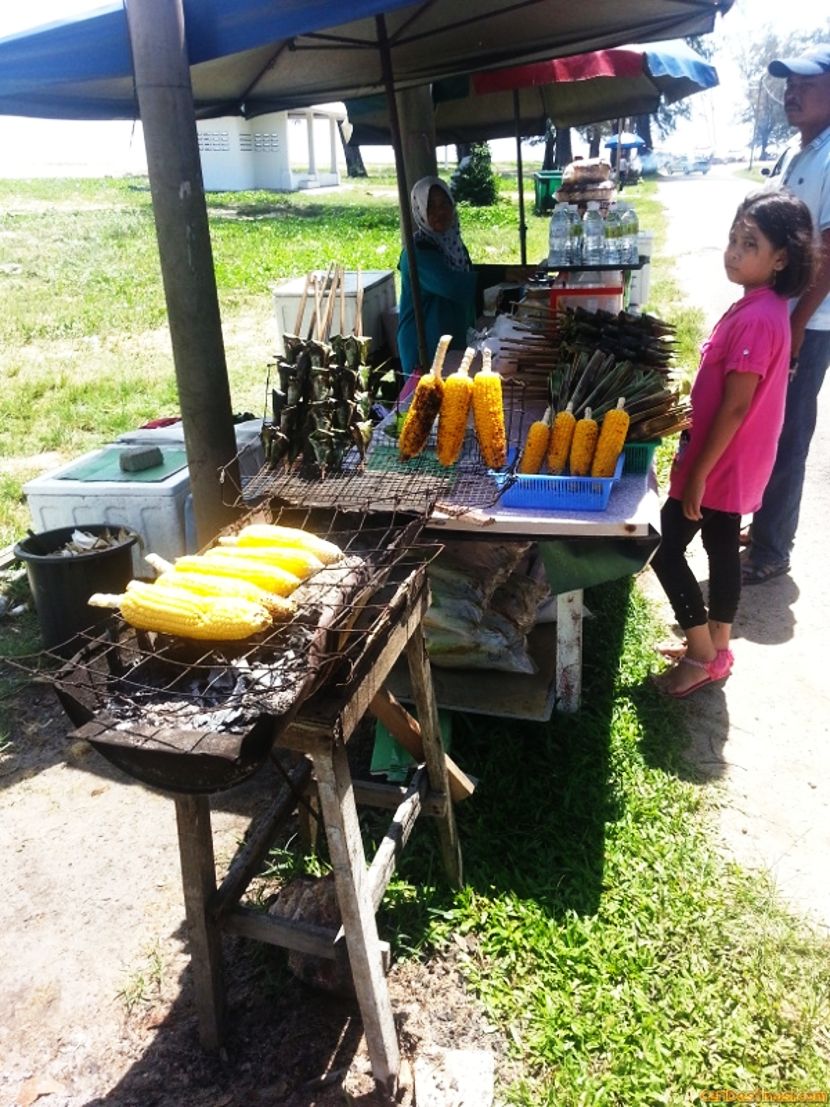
(450, 242)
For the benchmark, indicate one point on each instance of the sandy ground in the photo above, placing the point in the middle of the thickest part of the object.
(764, 735)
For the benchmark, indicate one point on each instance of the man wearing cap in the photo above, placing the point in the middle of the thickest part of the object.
(807, 106)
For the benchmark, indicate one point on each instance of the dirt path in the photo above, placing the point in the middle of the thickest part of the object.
(766, 735)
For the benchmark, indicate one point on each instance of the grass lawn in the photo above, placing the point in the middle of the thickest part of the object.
(627, 960)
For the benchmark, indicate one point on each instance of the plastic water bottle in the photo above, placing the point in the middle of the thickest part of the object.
(613, 236)
(593, 235)
(559, 252)
(576, 234)
(630, 244)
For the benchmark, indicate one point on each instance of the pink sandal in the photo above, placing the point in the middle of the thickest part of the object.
(716, 670)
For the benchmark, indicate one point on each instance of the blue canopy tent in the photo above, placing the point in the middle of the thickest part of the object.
(172, 61)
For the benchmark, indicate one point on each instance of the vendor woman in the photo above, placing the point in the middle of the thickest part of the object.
(447, 282)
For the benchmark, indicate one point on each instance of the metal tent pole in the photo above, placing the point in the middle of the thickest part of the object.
(520, 176)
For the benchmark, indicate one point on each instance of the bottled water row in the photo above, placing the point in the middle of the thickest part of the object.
(591, 240)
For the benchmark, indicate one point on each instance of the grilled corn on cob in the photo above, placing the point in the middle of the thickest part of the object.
(202, 584)
(177, 611)
(611, 440)
(264, 534)
(269, 577)
(455, 407)
(488, 414)
(536, 445)
(425, 405)
(583, 445)
(559, 447)
(293, 559)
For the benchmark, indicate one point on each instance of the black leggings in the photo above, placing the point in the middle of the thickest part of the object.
(720, 533)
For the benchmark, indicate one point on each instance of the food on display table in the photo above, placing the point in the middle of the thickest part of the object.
(560, 440)
(536, 445)
(583, 445)
(488, 414)
(455, 408)
(425, 405)
(611, 440)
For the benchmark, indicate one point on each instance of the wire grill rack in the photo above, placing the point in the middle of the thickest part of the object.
(383, 481)
(147, 685)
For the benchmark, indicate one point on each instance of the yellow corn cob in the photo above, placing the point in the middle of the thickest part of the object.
(175, 611)
(278, 607)
(536, 445)
(269, 577)
(611, 440)
(294, 560)
(583, 445)
(425, 405)
(455, 407)
(488, 414)
(265, 534)
(559, 447)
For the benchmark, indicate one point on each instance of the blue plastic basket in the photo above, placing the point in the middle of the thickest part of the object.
(556, 493)
(638, 455)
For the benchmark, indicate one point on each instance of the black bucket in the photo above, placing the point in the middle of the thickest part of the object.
(62, 584)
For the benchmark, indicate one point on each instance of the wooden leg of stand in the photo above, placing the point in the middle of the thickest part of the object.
(421, 679)
(199, 883)
(337, 803)
(569, 650)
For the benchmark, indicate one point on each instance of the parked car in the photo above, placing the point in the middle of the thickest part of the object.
(687, 165)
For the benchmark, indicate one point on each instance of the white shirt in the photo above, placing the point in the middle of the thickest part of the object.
(807, 176)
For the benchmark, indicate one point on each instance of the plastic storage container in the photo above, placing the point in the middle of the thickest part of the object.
(637, 456)
(378, 287)
(92, 489)
(545, 183)
(62, 584)
(546, 493)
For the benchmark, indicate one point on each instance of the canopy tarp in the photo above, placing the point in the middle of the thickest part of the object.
(253, 56)
(570, 91)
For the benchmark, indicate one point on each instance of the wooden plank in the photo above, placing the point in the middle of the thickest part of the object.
(305, 937)
(249, 858)
(357, 914)
(569, 650)
(199, 885)
(419, 674)
(396, 837)
(370, 793)
(406, 730)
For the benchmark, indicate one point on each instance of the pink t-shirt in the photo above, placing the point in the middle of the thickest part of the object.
(752, 337)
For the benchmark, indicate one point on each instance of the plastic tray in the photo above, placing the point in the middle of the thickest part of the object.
(556, 493)
(638, 456)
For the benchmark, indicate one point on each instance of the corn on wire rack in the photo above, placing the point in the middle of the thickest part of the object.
(384, 481)
(157, 688)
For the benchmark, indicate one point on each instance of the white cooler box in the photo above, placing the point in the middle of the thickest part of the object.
(378, 297)
(93, 489)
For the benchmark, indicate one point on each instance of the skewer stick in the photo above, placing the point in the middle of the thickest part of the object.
(342, 300)
(318, 308)
(301, 309)
(358, 309)
(330, 302)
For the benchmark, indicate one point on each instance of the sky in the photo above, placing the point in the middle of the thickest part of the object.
(34, 147)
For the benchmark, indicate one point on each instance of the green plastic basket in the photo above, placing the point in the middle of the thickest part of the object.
(638, 456)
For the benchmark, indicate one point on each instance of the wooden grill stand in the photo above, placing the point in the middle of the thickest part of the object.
(320, 732)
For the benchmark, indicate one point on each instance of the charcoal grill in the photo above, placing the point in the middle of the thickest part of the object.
(194, 718)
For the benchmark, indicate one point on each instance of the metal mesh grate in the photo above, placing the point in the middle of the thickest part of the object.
(147, 683)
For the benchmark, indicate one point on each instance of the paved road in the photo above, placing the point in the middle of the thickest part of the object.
(766, 735)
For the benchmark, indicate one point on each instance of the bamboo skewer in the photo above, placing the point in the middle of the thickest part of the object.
(358, 309)
(342, 300)
(301, 309)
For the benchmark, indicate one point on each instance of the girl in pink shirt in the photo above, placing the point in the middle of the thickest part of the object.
(724, 461)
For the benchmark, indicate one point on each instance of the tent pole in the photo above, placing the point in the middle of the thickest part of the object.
(520, 178)
(403, 196)
(165, 100)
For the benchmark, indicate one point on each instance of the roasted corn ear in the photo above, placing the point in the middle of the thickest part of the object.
(264, 534)
(202, 584)
(583, 445)
(488, 414)
(177, 611)
(425, 405)
(455, 408)
(561, 437)
(293, 559)
(267, 576)
(611, 440)
(536, 445)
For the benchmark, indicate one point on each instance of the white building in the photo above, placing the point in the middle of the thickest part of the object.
(284, 151)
